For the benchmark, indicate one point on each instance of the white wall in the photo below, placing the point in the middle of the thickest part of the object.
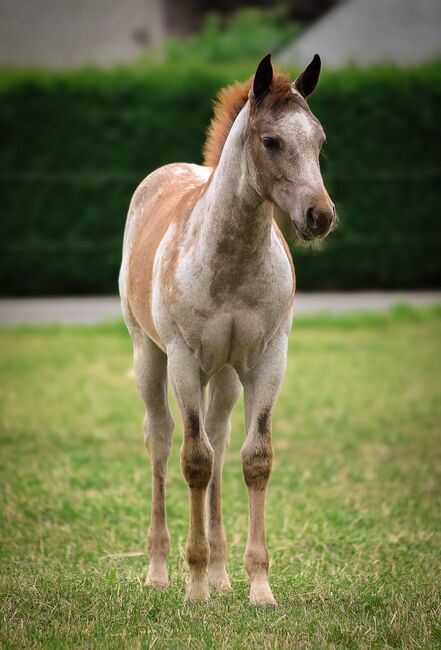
(64, 33)
(406, 32)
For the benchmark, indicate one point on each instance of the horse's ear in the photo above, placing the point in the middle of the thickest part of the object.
(307, 81)
(263, 77)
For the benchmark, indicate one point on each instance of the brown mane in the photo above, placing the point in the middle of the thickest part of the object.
(227, 106)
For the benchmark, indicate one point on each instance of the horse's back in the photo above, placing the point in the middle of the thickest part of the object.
(154, 207)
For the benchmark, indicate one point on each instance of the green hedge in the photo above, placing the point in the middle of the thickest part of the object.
(75, 145)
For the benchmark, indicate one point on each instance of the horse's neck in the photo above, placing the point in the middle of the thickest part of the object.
(234, 218)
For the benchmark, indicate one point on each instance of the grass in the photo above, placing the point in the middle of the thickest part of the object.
(354, 502)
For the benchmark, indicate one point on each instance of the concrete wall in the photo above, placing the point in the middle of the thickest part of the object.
(406, 32)
(64, 33)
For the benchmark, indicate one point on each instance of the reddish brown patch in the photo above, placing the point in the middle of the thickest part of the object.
(257, 463)
(228, 104)
(184, 209)
(173, 204)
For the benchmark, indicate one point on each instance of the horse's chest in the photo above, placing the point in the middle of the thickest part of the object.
(235, 338)
(226, 316)
(237, 328)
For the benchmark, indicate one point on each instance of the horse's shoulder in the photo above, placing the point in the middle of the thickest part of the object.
(156, 199)
(164, 197)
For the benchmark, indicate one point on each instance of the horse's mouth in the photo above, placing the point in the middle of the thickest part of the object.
(305, 236)
(302, 234)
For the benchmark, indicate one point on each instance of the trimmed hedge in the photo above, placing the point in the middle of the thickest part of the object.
(75, 145)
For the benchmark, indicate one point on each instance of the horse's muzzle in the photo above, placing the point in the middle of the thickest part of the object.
(319, 221)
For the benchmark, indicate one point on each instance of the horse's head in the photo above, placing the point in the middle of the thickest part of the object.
(283, 141)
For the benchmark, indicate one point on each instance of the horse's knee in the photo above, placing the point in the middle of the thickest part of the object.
(257, 465)
(196, 455)
(257, 455)
(196, 464)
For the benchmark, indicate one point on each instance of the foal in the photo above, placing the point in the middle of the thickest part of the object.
(207, 286)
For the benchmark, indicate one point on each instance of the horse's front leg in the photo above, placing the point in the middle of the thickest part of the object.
(261, 387)
(196, 462)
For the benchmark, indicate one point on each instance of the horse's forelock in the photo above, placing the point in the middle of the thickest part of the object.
(227, 106)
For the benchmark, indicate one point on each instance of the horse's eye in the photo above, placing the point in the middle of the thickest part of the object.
(271, 143)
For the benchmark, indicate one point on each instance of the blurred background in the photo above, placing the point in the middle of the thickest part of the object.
(95, 94)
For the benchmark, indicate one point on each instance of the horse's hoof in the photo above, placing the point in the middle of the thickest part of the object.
(157, 580)
(197, 592)
(219, 580)
(262, 596)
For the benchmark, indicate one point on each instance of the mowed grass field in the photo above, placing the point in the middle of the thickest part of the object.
(354, 507)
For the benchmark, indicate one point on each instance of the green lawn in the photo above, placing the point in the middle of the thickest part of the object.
(354, 524)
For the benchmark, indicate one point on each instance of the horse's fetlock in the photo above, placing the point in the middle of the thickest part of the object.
(158, 542)
(256, 561)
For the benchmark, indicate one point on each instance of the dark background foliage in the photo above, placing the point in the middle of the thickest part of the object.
(74, 146)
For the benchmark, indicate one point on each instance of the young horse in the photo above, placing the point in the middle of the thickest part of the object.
(207, 286)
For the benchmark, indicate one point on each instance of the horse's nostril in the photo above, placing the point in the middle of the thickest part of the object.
(318, 221)
(310, 218)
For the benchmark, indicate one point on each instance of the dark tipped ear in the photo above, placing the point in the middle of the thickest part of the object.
(307, 81)
(263, 77)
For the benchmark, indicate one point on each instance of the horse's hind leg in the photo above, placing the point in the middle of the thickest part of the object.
(151, 377)
(224, 390)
